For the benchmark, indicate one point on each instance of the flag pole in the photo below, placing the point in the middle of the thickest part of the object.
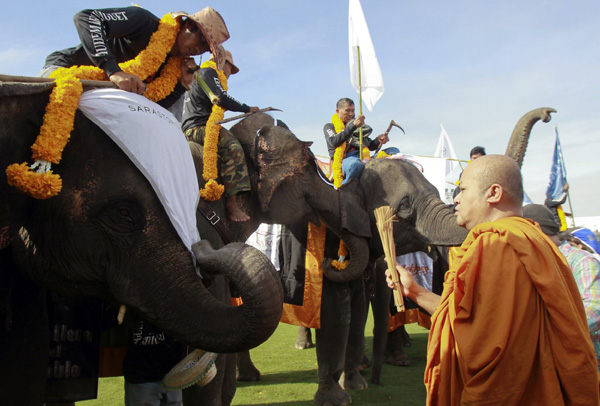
(566, 181)
(360, 133)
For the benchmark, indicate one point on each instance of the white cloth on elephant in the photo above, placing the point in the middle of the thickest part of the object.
(152, 138)
(266, 240)
(420, 265)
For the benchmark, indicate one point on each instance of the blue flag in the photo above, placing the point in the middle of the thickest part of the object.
(558, 173)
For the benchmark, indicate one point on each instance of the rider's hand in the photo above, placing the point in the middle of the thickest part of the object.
(188, 67)
(383, 138)
(128, 82)
(254, 109)
(359, 121)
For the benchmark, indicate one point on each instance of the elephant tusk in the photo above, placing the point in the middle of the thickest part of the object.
(121, 314)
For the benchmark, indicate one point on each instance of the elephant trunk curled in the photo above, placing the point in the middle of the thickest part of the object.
(200, 320)
(255, 279)
(358, 250)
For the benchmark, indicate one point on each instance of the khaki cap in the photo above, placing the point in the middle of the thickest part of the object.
(224, 56)
(210, 23)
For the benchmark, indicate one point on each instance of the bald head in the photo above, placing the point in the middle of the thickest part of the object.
(491, 188)
(501, 170)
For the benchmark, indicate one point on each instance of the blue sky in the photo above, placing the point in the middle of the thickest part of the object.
(474, 66)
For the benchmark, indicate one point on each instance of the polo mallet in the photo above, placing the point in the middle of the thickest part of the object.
(392, 124)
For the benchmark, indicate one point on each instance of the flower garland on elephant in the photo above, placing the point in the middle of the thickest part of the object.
(212, 190)
(338, 177)
(59, 117)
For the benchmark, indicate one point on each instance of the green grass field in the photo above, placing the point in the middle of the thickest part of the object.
(290, 375)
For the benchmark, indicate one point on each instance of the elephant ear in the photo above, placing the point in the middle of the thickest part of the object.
(354, 215)
(279, 157)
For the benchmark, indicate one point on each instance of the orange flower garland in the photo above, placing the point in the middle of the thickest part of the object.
(338, 177)
(64, 99)
(212, 190)
(338, 156)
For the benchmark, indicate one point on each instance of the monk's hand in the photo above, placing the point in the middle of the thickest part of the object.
(128, 82)
(188, 68)
(254, 109)
(388, 279)
(406, 280)
(359, 121)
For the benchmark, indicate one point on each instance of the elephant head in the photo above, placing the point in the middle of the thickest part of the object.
(300, 189)
(107, 235)
(422, 219)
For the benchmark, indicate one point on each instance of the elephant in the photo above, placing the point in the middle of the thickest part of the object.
(289, 185)
(106, 235)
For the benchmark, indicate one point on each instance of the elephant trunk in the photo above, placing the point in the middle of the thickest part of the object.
(210, 324)
(517, 144)
(437, 224)
(358, 250)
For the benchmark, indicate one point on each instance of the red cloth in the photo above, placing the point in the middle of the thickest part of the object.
(511, 327)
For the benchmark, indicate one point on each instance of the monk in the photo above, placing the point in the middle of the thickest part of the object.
(510, 327)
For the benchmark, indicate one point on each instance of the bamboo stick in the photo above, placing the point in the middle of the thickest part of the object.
(384, 216)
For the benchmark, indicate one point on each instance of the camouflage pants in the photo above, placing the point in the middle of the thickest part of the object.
(232, 161)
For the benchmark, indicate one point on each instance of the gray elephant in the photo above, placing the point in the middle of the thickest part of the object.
(106, 235)
(423, 220)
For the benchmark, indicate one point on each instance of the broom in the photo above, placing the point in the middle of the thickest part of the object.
(384, 216)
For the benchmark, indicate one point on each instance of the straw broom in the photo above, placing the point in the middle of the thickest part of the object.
(384, 216)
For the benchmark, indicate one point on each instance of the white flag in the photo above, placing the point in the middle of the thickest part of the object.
(370, 74)
(445, 149)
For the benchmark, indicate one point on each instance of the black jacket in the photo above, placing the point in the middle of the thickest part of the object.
(197, 106)
(108, 37)
(350, 134)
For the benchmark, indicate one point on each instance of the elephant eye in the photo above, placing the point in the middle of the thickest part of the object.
(122, 217)
(404, 206)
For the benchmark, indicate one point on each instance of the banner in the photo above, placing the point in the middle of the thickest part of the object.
(370, 74)
(558, 172)
(444, 149)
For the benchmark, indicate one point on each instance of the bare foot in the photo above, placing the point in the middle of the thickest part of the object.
(234, 213)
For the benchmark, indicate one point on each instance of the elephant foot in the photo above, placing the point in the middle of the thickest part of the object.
(304, 340)
(304, 346)
(399, 359)
(251, 374)
(332, 396)
(303, 343)
(364, 364)
(353, 380)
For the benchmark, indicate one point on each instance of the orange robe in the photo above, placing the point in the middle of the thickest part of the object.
(510, 328)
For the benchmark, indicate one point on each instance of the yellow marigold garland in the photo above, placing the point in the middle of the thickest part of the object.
(212, 190)
(338, 177)
(64, 99)
(338, 156)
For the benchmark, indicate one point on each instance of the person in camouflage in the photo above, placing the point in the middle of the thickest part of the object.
(196, 111)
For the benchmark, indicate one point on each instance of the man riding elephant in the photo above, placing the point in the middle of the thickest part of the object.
(198, 108)
(161, 49)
